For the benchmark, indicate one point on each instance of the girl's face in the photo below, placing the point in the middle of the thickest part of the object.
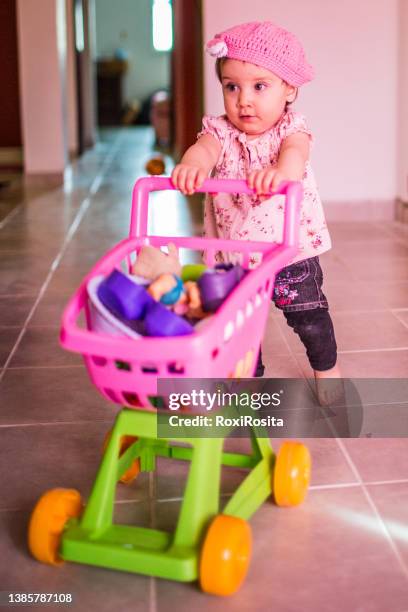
(254, 98)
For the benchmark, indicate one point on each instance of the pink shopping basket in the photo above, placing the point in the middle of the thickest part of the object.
(126, 370)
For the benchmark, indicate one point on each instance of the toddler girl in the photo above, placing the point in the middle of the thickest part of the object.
(260, 67)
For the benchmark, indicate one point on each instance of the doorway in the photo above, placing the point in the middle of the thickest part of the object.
(149, 68)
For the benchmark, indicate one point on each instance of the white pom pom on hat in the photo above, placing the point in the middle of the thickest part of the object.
(217, 48)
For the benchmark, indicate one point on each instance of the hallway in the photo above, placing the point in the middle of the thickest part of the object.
(345, 548)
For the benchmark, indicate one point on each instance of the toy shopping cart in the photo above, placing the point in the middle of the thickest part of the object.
(207, 544)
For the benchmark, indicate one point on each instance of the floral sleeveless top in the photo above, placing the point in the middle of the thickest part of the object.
(247, 217)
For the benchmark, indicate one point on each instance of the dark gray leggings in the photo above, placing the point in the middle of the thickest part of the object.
(315, 329)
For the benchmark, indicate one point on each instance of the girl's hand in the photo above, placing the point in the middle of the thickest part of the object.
(188, 178)
(266, 180)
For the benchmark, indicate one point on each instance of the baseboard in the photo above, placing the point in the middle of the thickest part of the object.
(50, 179)
(11, 157)
(402, 211)
(361, 210)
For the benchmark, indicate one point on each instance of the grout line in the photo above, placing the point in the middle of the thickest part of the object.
(404, 323)
(46, 367)
(342, 485)
(152, 594)
(16, 295)
(122, 502)
(152, 498)
(324, 487)
(384, 310)
(153, 523)
(374, 350)
(357, 484)
(14, 509)
(164, 500)
(51, 423)
(373, 506)
(71, 231)
(10, 216)
(385, 482)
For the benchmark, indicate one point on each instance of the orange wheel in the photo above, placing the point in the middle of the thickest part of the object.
(47, 522)
(291, 474)
(225, 555)
(125, 441)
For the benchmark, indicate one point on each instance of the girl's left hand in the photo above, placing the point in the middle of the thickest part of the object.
(264, 181)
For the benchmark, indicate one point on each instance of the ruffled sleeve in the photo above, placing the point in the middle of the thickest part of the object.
(291, 123)
(220, 129)
(216, 126)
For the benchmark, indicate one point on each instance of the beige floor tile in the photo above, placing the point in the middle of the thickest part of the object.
(349, 231)
(8, 339)
(365, 295)
(369, 331)
(380, 268)
(14, 310)
(379, 459)
(51, 395)
(39, 347)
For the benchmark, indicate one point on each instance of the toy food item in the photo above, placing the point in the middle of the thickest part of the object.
(151, 262)
(167, 288)
(192, 272)
(190, 303)
(155, 165)
(217, 283)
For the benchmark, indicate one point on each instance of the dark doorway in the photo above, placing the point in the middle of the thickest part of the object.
(83, 15)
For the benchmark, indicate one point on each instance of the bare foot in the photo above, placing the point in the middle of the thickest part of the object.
(328, 389)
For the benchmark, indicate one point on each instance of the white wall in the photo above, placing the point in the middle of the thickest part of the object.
(127, 24)
(352, 104)
(42, 63)
(403, 102)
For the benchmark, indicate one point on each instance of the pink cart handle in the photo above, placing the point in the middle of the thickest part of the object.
(293, 192)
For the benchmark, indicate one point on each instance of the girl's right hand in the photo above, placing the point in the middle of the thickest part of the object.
(188, 178)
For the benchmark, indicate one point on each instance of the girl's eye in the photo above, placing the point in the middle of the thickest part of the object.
(230, 87)
(260, 86)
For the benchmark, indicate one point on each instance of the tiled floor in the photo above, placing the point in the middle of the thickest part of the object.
(345, 548)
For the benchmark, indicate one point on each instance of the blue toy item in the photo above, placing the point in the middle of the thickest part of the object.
(172, 296)
(216, 284)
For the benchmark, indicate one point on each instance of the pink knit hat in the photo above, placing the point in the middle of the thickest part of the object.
(264, 44)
